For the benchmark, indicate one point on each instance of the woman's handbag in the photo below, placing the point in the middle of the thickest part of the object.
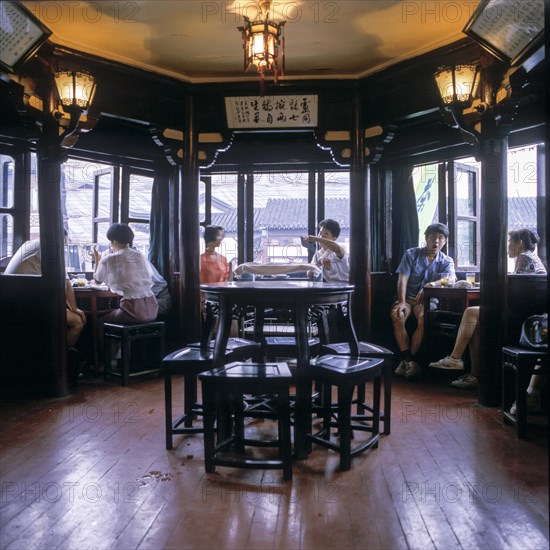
(534, 332)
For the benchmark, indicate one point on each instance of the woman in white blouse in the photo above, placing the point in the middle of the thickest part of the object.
(127, 272)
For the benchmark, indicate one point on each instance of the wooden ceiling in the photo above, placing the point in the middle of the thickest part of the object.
(198, 41)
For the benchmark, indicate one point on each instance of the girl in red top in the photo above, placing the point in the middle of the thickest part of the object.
(214, 267)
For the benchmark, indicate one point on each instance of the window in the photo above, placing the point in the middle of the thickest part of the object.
(280, 211)
(222, 188)
(94, 198)
(463, 207)
(137, 191)
(450, 192)
(522, 191)
(88, 200)
(7, 167)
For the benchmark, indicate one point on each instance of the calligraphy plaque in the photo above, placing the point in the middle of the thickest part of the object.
(289, 111)
(21, 33)
(509, 29)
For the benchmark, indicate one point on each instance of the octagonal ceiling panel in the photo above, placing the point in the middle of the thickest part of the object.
(198, 40)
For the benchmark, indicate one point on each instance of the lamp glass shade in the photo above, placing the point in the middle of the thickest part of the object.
(75, 88)
(457, 84)
(261, 41)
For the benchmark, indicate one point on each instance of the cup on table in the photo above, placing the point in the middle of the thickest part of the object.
(80, 279)
(444, 279)
(471, 278)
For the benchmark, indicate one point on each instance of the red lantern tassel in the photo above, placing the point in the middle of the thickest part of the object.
(261, 84)
(283, 57)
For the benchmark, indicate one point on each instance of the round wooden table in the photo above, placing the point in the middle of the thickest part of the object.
(297, 297)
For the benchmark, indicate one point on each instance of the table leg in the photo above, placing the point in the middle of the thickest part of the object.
(302, 412)
(208, 328)
(224, 328)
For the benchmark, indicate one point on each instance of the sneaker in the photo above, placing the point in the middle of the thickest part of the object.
(465, 382)
(413, 370)
(401, 368)
(448, 363)
(533, 404)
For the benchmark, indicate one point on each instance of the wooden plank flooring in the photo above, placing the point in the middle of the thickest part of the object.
(90, 471)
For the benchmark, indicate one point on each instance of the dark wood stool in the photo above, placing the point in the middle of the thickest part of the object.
(127, 336)
(367, 349)
(285, 346)
(518, 365)
(190, 362)
(223, 404)
(346, 373)
(240, 347)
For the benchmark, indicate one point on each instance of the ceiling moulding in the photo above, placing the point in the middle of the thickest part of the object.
(206, 137)
(411, 55)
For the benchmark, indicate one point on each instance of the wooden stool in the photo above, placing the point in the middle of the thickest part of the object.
(345, 373)
(127, 336)
(239, 347)
(367, 349)
(518, 365)
(223, 404)
(190, 362)
(285, 346)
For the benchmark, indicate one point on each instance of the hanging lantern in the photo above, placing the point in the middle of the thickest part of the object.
(261, 41)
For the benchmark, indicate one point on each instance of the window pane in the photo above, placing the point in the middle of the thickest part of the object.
(35, 215)
(281, 199)
(466, 243)
(465, 193)
(6, 187)
(102, 239)
(6, 236)
(77, 195)
(141, 190)
(337, 203)
(141, 236)
(522, 191)
(425, 190)
(139, 208)
(104, 180)
(224, 212)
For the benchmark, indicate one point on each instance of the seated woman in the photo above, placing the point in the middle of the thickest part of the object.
(126, 271)
(521, 245)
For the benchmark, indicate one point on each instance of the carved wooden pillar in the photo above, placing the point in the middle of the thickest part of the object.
(52, 261)
(492, 152)
(189, 250)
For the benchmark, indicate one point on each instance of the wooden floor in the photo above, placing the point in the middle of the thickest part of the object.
(91, 471)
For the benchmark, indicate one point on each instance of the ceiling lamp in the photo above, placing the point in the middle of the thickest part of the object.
(76, 91)
(261, 41)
